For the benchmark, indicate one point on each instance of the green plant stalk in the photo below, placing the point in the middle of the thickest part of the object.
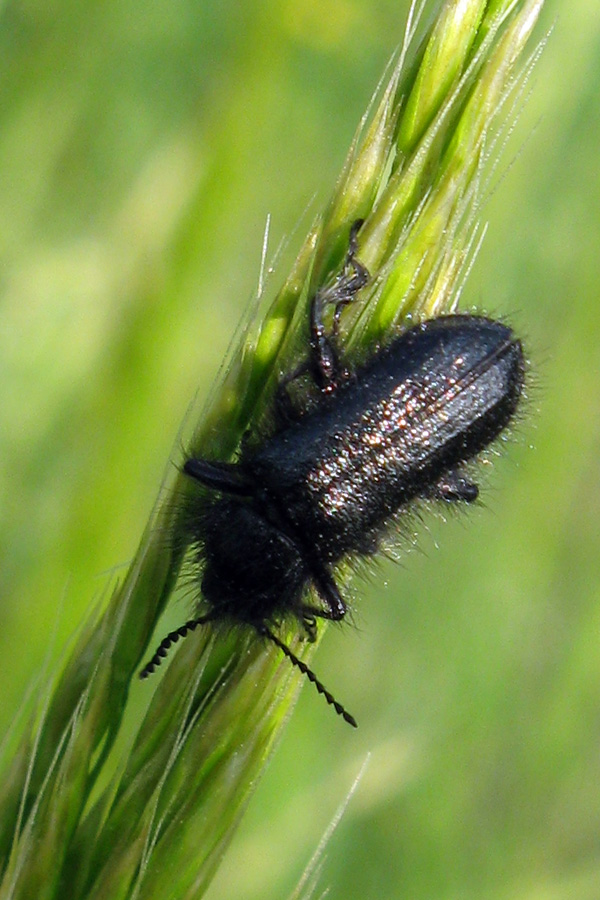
(160, 825)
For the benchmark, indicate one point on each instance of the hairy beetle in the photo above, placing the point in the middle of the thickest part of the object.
(330, 478)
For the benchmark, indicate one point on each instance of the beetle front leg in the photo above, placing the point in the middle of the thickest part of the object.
(455, 488)
(334, 608)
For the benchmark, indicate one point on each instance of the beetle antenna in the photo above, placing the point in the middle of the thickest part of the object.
(185, 629)
(310, 675)
(168, 641)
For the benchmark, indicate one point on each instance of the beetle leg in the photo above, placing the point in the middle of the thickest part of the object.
(324, 361)
(335, 607)
(453, 488)
(325, 365)
(349, 285)
(310, 626)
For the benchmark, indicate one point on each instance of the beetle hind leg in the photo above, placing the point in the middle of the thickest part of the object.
(325, 366)
(310, 626)
(347, 286)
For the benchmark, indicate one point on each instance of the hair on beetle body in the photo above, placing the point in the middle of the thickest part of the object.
(332, 476)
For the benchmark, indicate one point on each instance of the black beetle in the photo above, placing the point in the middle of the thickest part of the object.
(331, 477)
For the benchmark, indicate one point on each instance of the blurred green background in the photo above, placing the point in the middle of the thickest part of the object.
(142, 146)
